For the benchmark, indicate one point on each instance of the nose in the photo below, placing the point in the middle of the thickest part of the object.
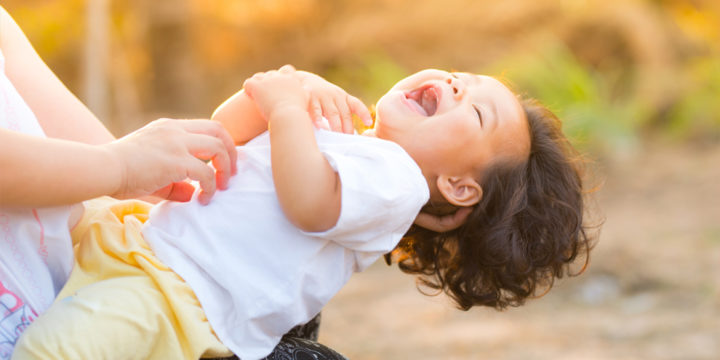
(458, 87)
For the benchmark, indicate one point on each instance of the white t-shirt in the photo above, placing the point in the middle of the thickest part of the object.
(35, 246)
(255, 274)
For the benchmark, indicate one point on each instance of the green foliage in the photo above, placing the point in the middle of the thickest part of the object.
(592, 118)
(697, 114)
(609, 93)
(369, 77)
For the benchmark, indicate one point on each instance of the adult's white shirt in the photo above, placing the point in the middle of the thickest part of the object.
(35, 246)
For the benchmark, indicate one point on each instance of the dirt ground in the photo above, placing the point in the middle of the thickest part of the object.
(652, 290)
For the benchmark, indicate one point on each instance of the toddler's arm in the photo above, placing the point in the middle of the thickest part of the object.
(308, 188)
(243, 120)
(240, 117)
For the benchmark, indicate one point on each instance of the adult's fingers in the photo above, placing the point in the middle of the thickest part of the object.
(216, 130)
(443, 223)
(204, 175)
(209, 148)
(177, 191)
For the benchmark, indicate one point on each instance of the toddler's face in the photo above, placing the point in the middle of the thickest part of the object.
(453, 123)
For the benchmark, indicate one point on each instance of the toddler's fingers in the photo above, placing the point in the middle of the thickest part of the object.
(315, 110)
(258, 76)
(358, 107)
(287, 69)
(249, 86)
(345, 116)
(331, 113)
(250, 83)
(322, 124)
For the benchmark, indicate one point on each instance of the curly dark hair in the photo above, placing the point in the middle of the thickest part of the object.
(525, 232)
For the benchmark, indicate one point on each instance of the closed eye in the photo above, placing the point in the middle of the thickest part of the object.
(479, 114)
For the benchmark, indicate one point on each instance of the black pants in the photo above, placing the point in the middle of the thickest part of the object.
(300, 343)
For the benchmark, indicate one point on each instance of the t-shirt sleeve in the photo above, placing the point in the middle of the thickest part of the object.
(383, 190)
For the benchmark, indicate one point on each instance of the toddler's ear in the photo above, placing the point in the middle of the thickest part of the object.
(459, 190)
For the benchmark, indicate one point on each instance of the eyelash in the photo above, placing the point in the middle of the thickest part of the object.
(479, 114)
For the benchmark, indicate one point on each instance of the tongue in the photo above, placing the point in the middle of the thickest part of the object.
(429, 101)
(418, 107)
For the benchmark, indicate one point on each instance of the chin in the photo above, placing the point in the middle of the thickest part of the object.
(392, 115)
(380, 128)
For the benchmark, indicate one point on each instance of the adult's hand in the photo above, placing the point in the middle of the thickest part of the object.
(443, 223)
(158, 158)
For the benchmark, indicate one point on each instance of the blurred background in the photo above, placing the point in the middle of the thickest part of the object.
(636, 82)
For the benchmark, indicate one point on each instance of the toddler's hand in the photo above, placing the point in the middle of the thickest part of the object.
(332, 102)
(275, 90)
(443, 223)
(158, 158)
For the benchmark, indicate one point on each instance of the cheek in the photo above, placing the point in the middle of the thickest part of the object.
(458, 125)
(459, 141)
(442, 143)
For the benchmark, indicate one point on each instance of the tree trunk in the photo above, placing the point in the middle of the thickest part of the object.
(176, 77)
(96, 55)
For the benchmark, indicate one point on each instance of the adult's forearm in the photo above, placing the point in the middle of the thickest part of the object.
(47, 172)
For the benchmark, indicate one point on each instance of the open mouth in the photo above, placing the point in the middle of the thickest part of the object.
(424, 100)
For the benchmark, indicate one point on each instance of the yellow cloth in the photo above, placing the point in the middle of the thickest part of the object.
(120, 302)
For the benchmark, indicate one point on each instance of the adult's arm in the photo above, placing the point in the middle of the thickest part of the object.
(72, 167)
(152, 160)
(59, 112)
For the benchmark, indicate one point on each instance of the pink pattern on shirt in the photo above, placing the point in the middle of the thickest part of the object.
(16, 317)
(42, 248)
(23, 268)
